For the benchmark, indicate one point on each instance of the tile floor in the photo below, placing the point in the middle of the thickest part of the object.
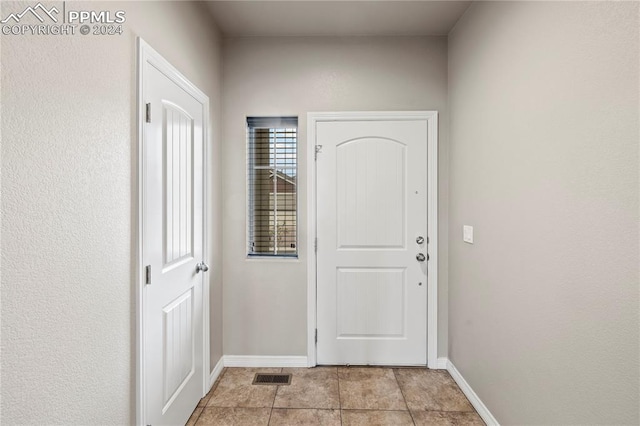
(330, 396)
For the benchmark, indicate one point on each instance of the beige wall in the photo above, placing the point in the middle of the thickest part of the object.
(68, 236)
(543, 311)
(265, 300)
(543, 308)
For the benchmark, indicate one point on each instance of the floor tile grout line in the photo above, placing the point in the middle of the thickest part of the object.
(213, 389)
(308, 408)
(446, 411)
(195, 422)
(385, 410)
(275, 395)
(215, 386)
(339, 396)
(463, 394)
(247, 407)
(404, 398)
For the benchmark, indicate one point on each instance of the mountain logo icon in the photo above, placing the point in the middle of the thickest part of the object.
(34, 11)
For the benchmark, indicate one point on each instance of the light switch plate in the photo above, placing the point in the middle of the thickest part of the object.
(467, 234)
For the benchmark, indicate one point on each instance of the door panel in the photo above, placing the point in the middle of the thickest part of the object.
(371, 198)
(371, 176)
(172, 246)
(178, 345)
(178, 175)
(371, 302)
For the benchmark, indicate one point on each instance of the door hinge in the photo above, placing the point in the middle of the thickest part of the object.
(427, 240)
(318, 151)
(316, 335)
(148, 113)
(315, 245)
(147, 274)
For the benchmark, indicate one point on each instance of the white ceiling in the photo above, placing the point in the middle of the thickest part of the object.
(336, 18)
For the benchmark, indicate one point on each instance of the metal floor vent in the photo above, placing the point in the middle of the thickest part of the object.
(272, 379)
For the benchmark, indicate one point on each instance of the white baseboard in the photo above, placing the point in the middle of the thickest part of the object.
(264, 361)
(216, 372)
(482, 409)
(442, 363)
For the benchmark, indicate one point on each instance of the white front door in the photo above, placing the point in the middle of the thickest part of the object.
(172, 247)
(371, 179)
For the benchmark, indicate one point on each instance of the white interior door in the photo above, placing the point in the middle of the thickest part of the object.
(172, 246)
(371, 179)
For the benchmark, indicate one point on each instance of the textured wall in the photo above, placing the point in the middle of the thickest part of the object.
(68, 236)
(265, 300)
(543, 308)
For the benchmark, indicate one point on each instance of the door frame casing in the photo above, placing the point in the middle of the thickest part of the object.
(431, 117)
(146, 55)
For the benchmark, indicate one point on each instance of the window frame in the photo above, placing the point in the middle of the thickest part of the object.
(270, 122)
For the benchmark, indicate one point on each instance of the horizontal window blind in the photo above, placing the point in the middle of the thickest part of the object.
(272, 149)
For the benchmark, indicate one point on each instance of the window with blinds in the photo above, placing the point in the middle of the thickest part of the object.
(272, 147)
